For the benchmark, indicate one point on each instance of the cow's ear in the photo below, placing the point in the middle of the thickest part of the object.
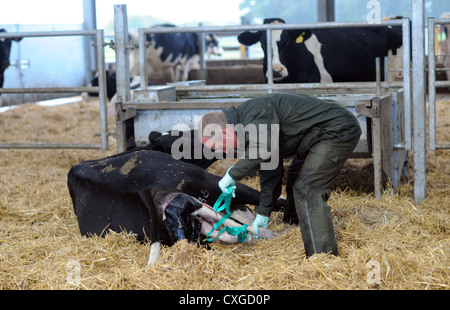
(153, 135)
(299, 35)
(249, 38)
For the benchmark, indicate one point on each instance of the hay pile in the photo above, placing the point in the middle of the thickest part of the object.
(390, 243)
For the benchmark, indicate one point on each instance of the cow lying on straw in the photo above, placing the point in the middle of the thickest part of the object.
(156, 197)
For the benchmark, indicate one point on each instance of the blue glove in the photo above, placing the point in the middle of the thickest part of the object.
(260, 221)
(226, 182)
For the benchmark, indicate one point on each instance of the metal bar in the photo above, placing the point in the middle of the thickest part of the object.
(386, 76)
(122, 69)
(442, 146)
(214, 29)
(325, 10)
(442, 83)
(378, 75)
(90, 89)
(45, 145)
(186, 104)
(441, 20)
(102, 93)
(418, 100)
(269, 52)
(202, 49)
(431, 85)
(32, 34)
(395, 142)
(89, 22)
(259, 87)
(221, 103)
(142, 59)
(122, 65)
(406, 30)
(376, 137)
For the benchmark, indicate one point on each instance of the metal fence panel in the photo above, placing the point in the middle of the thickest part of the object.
(101, 89)
(432, 84)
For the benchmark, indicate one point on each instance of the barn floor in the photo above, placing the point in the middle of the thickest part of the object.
(390, 243)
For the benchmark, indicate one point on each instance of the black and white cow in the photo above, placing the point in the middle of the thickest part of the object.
(325, 55)
(177, 53)
(154, 196)
(111, 87)
(164, 142)
(5, 49)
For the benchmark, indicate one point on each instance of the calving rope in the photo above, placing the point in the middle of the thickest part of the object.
(240, 232)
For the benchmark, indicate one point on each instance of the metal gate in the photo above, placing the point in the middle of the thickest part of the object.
(432, 83)
(388, 130)
(101, 89)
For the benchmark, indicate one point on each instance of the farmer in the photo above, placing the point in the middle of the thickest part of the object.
(321, 134)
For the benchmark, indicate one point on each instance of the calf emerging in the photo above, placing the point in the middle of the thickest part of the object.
(154, 196)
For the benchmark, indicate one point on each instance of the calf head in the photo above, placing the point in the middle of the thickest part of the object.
(180, 220)
(284, 45)
(185, 217)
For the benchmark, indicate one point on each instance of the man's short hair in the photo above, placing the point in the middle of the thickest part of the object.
(212, 118)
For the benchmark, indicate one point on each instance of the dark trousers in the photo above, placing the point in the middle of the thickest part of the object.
(308, 190)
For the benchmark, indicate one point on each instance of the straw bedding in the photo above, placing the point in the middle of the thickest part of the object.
(390, 243)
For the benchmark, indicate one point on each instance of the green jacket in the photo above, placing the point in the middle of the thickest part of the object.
(303, 121)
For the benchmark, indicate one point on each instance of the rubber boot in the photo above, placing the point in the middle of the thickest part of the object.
(290, 214)
(315, 220)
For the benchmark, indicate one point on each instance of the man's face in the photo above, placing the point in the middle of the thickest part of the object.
(225, 142)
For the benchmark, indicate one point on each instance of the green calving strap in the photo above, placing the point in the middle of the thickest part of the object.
(226, 198)
(241, 232)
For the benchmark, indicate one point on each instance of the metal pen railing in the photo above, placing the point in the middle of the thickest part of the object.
(404, 23)
(432, 83)
(101, 89)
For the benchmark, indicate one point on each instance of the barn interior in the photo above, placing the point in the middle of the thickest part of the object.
(397, 240)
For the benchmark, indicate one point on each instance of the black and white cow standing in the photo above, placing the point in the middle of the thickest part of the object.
(177, 53)
(5, 49)
(325, 55)
(156, 197)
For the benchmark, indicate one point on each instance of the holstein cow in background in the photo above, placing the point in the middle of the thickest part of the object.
(325, 55)
(177, 53)
(154, 196)
(5, 49)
